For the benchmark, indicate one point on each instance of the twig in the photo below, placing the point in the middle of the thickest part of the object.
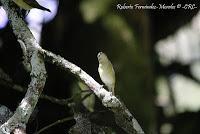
(54, 123)
(87, 95)
(52, 99)
(62, 101)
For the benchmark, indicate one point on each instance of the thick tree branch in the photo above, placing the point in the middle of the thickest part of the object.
(38, 72)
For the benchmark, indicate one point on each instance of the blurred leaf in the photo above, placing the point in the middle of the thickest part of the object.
(93, 9)
(90, 100)
(118, 27)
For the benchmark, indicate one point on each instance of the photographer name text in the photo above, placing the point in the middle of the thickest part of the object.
(153, 6)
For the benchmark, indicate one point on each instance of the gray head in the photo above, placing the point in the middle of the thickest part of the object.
(102, 57)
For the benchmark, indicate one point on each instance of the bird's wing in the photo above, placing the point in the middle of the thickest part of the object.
(33, 3)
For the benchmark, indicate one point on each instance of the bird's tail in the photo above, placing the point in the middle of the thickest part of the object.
(43, 8)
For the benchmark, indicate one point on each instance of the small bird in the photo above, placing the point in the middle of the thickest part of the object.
(29, 4)
(106, 71)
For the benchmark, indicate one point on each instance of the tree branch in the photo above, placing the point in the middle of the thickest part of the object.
(38, 71)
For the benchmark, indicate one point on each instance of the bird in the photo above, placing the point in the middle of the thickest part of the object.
(106, 71)
(30, 4)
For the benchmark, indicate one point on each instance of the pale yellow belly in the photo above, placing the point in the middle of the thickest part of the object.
(22, 4)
